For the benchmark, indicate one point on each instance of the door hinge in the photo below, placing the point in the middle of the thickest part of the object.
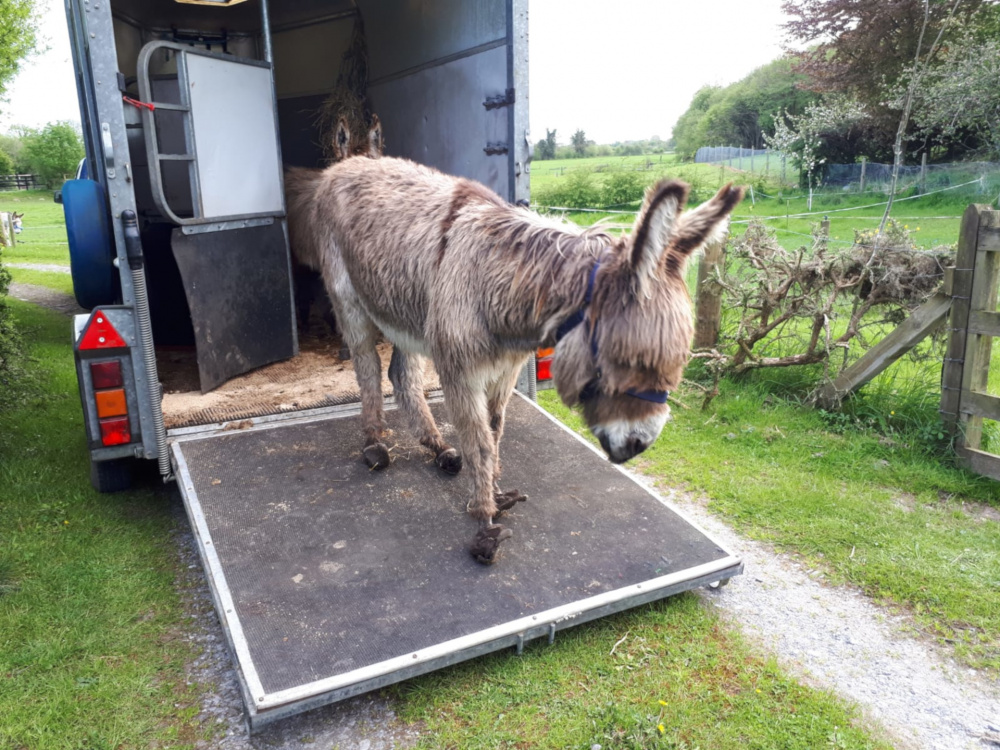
(500, 100)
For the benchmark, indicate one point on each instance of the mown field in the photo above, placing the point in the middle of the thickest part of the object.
(932, 218)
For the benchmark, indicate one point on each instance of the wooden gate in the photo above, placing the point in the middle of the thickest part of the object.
(975, 320)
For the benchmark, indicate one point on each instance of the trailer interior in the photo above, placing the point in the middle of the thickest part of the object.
(423, 98)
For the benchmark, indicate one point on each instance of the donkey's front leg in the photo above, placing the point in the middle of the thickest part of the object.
(498, 396)
(469, 412)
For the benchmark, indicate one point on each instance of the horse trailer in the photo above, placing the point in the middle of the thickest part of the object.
(329, 579)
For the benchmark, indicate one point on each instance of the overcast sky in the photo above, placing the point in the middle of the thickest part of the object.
(621, 70)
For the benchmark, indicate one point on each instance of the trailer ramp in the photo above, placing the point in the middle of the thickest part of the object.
(332, 580)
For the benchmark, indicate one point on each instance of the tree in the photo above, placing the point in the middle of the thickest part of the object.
(742, 113)
(12, 145)
(960, 99)
(18, 37)
(54, 152)
(579, 142)
(806, 135)
(859, 47)
(546, 148)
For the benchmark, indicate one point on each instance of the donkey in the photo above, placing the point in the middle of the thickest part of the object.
(299, 185)
(445, 268)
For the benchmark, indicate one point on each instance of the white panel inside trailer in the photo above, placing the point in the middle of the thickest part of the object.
(235, 137)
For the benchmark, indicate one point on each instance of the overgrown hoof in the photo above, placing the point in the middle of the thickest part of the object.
(507, 500)
(449, 461)
(486, 545)
(376, 456)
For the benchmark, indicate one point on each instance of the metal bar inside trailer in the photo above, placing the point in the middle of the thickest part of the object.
(332, 580)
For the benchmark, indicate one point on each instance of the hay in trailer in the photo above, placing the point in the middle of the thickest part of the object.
(349, 98)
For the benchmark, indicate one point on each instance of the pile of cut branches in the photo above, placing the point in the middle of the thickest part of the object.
(788, 308)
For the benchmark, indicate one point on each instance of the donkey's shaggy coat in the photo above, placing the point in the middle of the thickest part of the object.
(445, 268)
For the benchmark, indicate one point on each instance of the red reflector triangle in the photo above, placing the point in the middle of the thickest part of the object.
(100, 334)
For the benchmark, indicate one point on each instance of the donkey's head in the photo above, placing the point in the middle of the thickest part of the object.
(371, 145)
(634, 341)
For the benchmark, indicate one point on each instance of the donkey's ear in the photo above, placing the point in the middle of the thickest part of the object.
(705, 224)
(342, 140)
(376, 146)
(655, 225)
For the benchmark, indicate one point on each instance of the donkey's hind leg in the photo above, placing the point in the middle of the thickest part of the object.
(361, 335)
(406, 371)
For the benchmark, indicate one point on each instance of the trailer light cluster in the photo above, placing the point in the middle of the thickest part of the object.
(108, 380)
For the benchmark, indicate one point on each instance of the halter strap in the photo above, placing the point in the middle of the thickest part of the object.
(578, 317)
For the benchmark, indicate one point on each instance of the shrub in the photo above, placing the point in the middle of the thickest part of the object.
(10, 348)
(577, 190)
(621, 188)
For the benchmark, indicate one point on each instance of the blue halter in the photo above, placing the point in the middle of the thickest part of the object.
(593, 385)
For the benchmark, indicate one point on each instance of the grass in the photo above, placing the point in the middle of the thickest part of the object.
(677, 679)
(846, 211)
(44, 237)
(61, 282)
(880, 511)
(92, 653)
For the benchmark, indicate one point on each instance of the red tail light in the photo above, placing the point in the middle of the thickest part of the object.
(100, 334)
(106, 374)
(115, 431)
(544, 368)
(544, 371)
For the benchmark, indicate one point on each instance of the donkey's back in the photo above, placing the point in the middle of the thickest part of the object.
(389, 226)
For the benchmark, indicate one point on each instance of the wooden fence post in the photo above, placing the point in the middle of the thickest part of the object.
(923, 172)
(864, 162)
(951, 372)
(708, 308)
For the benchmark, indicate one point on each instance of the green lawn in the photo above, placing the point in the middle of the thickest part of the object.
(44, 237)
(92, 647)
(933, 219)
(678, 678)
(42, 241)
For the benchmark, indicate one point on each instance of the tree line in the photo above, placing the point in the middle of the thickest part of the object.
(52, 152)
(841, 99)
(580, 146)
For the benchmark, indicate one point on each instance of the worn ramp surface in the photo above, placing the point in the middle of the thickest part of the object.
(332, 579)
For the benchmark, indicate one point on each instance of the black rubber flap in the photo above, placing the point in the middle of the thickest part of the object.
(333, 567)
(239, 292)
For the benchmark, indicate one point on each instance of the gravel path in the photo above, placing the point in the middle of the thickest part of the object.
(50, 267)
(45, 297)
(836, 638)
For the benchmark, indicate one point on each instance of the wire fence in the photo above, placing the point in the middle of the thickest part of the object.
(982, 178)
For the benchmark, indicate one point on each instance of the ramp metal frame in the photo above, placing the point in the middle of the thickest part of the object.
(263, 708)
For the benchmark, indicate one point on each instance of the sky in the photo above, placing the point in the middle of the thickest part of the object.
(620, 70)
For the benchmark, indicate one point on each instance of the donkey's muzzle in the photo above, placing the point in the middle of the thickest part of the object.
(632, 446)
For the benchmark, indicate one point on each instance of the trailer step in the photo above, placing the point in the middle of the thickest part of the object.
(332, 580)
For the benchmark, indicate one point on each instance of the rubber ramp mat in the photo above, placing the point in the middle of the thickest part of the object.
(334, 573)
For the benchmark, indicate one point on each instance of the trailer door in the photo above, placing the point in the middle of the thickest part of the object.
(211, 135)
(449, 80)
